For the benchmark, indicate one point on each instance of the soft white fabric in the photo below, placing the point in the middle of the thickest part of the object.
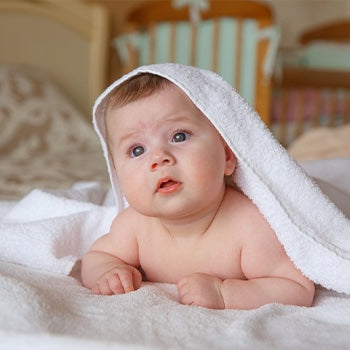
(335, 171)
(333, 177)
(42, 308)
(50, 230)
(45, 141)
(313, 231)
(48, 311)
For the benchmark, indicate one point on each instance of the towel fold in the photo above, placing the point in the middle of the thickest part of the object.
(51, 230)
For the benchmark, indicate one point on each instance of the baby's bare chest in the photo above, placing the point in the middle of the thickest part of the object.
(166, 260)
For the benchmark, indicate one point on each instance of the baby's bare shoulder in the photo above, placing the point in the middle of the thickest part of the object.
(242, 208)
(121, 240)
(255, 231)
(126, 221)
(262, 254)
(249, 217)
(127, 214)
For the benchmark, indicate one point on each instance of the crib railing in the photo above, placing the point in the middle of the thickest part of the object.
(296, 108)
(236, 39)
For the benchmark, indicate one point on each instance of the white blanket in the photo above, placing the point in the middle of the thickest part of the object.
(44, 234)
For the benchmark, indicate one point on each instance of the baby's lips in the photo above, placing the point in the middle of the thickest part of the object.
(167, 185)
(161, 182)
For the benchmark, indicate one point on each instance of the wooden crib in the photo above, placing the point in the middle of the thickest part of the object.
(312, 92)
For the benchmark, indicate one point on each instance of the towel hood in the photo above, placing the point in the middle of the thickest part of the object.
(313, 231)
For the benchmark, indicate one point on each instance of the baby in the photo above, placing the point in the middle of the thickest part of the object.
(184, 224)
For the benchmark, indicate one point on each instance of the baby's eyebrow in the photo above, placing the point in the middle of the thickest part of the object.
(128, 134)
(176, 118)
(133, 132)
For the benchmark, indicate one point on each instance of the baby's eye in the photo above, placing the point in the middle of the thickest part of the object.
(137, 151)
(180, 136)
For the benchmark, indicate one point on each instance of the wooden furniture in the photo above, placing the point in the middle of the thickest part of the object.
(309, 97)
(203, 43)
(53, 63)
(334, 32)
(338, 31)
(70, 40)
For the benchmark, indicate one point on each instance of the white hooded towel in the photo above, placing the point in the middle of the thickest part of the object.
(313, 231)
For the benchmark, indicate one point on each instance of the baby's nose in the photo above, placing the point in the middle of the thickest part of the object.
(160, 159)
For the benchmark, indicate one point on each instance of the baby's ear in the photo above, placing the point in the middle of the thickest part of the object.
(231, 161)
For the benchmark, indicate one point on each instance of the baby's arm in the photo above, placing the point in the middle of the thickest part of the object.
(250, 294)
(271, 277)
(110, 265)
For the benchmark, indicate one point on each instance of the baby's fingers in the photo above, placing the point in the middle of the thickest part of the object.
(115, 284)
(137, 278)
(126, 280)
(186, 298)
(102, 287)
(120, 281)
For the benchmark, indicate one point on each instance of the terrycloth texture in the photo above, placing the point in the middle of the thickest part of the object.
(313, 231)
(41, 308)
(51, 230)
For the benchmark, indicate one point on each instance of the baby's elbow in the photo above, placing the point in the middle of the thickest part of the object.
(308, 293)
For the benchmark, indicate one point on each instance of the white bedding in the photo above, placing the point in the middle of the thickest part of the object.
(323, 142)
(45, 141)
(44, 308)
(49, 311)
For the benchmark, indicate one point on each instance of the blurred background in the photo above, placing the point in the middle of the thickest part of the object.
(290, 59)
(308, 73)
(292, 16)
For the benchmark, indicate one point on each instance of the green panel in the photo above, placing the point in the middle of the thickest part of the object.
(162, 36)
(248, 60)
(227, 49)
(143, 44)
(182, 45)
(204, 45)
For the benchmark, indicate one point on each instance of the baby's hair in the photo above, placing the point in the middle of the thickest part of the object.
(140, 85)
(132, 89)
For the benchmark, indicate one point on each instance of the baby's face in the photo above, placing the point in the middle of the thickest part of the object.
(169, 158)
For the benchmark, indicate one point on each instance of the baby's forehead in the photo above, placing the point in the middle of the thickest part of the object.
(132, 89)
(169, 94)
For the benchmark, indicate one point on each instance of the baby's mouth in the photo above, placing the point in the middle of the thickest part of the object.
(168, 185)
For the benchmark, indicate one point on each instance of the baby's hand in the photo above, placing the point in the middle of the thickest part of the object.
(201, 290)
(119, 280)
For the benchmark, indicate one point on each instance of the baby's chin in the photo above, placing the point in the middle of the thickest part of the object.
(164, 214)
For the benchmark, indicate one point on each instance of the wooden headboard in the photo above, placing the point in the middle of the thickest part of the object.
(313, 96)
(338, 31)
(163, 24)
(67, 39)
